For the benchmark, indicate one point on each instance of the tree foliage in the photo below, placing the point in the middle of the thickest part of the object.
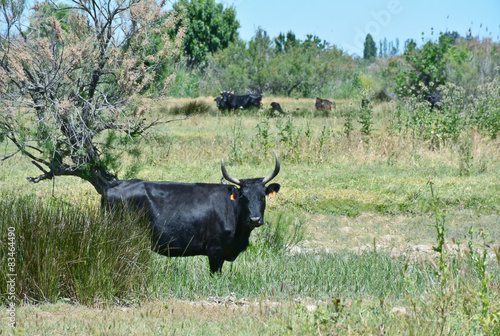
(370, 48)
(70, 84)
(210, 28)
(471, 63)
(425, 67)
(388, 48)
(285, 65)
(286, 42)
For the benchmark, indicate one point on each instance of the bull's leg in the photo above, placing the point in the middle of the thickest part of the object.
(216, 263)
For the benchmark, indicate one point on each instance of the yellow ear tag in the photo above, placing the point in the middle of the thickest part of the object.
(233, 197)
(272, 194)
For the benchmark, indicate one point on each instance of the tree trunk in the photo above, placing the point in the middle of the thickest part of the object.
(100, 179)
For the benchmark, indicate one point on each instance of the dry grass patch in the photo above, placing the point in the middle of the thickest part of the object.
(209, 317)
(386, 233)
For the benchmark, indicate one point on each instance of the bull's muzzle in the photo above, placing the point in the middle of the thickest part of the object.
(256, 221)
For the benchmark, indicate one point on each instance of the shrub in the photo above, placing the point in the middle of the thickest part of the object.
(486, 108)
(190, 108)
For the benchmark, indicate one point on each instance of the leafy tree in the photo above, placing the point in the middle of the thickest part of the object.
(70, 84)
(394, 48)
(426, 67)
(370, 48)
(388, 48)
(211, 27)
(305, 69)
(315, 41)
(286, 42)
(302, 68)
(471, 63)
(382, 48)
(259, 53)
(410, 46)
(230, 68)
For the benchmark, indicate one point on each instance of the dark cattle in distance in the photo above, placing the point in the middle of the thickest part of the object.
(435, 100)
(323, 104)
(221, 104)
(245, 101)
(276, 107)
(189, 219)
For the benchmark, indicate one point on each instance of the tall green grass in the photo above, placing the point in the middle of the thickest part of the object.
(282, 231)
(262, 272)
(72, 252)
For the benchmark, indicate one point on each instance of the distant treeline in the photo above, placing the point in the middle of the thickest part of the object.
(215, 58)
(288, 66)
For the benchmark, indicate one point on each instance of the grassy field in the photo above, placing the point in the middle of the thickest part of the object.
(362, 203)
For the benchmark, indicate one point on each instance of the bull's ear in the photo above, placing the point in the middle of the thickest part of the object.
(233, 192)
(272, 189)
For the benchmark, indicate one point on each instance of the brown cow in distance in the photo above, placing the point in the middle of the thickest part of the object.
(323, 104)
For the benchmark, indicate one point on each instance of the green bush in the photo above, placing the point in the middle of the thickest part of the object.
(455, 115)
(190, 108)
(486, 108)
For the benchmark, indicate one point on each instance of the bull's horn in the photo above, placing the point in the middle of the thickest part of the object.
(275, 172)
(227, 176)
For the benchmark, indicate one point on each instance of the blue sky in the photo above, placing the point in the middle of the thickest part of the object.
(346, 23)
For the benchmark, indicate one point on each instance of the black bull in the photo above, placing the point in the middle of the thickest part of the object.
(189, 219)
(221, 104)
(228, 100)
